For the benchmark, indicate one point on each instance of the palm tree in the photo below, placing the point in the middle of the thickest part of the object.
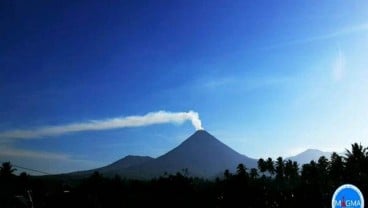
(6, 169)
(291, 169)
(227, 174)
(280, 168)
(296, 167)
(310, 173)
(357, 153)
(336, 168)
(355, 162)
(262, 166)
(270, 166)
(241, 170)
(253, 173)
(322, 164)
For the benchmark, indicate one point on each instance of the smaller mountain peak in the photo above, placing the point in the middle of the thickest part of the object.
(132, 160)
(130, 156)
(309, 150)
(134, 157)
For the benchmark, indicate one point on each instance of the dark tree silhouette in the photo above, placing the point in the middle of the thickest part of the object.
(313, 186)
(279, 168)
(253, 173)
(295, 168)
(336, 169)
(6, 170)
(262, 166)
(227, 174)
(309, 172)
(241, 170)
(322, 166)
(291, 169)
(270, 166)
(357, 153)
(356, 162)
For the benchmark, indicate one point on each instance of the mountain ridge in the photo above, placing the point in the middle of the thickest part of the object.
(308, 155)
(200, 155)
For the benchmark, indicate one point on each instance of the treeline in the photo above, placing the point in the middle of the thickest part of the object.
(275, 183)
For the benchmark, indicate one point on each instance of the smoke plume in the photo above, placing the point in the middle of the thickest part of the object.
(152, 118)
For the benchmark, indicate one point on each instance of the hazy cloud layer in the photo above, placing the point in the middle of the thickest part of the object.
(41, 162)
(342, 32)
(152, 118)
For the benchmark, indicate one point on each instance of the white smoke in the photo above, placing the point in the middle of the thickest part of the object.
(152, 118)
(196, 122)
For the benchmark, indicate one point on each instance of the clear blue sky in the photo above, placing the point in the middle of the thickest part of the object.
(268, 78)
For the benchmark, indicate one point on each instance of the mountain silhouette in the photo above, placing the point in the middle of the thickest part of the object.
(309, 155)
(118, 166)
(199, 155)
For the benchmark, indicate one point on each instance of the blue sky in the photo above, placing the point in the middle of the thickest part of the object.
(268, 78)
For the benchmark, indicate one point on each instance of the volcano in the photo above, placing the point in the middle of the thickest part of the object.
(200, 155)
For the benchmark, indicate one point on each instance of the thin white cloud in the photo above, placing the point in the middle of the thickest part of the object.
(338, 68)
(152, 118)
(241, 83)
(327, 36)
(213, 84)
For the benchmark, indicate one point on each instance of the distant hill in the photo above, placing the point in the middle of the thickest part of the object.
(309, 155)
(116, 167)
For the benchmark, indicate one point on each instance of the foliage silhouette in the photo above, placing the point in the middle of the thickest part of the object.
(6, 170)
(276, 183)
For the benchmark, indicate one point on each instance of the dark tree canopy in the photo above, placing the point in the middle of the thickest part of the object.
(7, 169)
(275, 183)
